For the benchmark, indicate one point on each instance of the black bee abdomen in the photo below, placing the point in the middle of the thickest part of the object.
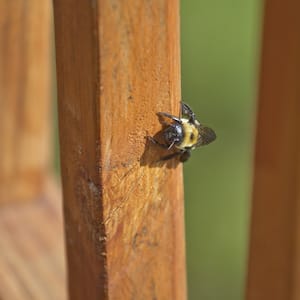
(174, 134)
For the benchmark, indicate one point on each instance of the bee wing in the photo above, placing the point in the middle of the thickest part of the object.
(206, 136)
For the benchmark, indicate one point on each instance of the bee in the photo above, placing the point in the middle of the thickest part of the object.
(184, 134)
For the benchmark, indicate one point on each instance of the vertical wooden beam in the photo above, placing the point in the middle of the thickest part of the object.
(24, 97)
(274, 265)
(117, 65)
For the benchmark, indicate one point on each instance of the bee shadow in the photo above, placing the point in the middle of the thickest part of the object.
(153, 154)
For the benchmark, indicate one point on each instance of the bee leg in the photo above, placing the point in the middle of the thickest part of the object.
(170, 117)
(187, 111)
(157, 143)
(170, 156)
(185, 155)
(171, 145)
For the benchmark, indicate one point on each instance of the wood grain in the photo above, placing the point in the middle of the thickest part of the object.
(117, 65)
(32, 263)
(274, 260)
(24, 97)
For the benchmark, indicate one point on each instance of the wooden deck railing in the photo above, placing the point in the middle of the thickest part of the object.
(24, 98)
(274, 240)
(117, 65)
(31, 233)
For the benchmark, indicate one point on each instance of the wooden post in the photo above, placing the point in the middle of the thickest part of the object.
(117, 65)
(24, 97)
(274, 261)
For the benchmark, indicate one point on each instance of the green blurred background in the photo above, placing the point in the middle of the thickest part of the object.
(220, 51)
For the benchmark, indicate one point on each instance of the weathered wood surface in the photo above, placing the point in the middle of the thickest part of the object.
(32, 264)
(117, 65)
(24, 97)
(274, 261)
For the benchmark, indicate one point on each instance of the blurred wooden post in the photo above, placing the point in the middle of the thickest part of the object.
(24, 97)
(117, 65)
(274, 261)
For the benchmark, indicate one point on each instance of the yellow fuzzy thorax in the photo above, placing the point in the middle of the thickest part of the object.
(190, 135)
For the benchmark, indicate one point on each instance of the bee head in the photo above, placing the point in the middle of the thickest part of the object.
(206, 135)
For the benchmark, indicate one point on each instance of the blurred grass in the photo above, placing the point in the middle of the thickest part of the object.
(220, 47)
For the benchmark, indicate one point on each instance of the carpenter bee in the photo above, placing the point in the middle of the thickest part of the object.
(184, 133)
